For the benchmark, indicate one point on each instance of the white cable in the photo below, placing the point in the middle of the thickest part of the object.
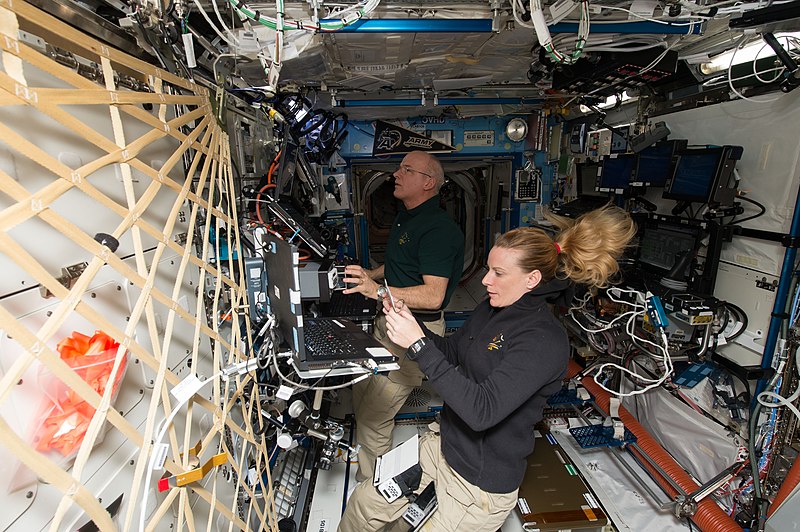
(517, 19)
(642, 71)
(347, 16)
(722, 79)
(665, 360)
(157, 443)
(582, 302)
(637, 15)
(622, 48)
(755, 60)
(609, 325)
(780, 400)
(307, 387)
(730, 80)
(545, 39)
(612, 40)
(639, 296)
(202, 10)
(629, 328)
(222, 22)
(654, 383)
(739, 8)
(664, 350)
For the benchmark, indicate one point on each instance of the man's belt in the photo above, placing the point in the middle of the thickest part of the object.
(426, 316)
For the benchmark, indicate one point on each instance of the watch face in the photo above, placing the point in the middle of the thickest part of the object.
(381, 292)
(417, 346)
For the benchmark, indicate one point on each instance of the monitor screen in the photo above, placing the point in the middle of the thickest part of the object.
(619, 144)
(587, 178)
(287, 170)
(655, 164)
(694, 175)
(616, 173)
(306, 172)
(283, 290)
(285, 210)
(662, 245)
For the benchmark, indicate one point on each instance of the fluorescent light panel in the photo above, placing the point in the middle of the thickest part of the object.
(755, 50)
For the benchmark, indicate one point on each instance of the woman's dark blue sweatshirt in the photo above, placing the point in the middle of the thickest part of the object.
(495, 374)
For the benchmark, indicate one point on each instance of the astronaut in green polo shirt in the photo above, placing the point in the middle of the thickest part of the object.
(424, 262)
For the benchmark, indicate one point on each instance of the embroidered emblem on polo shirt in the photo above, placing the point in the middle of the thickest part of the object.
(404, 239)
(496, 343)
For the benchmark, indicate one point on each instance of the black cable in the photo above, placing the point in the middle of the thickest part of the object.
(256, 421)
(741, 315)
(726, 319)
(757, 204)
(250, 246)
(147, 39)
(328, 131)
(363, 131)
(747, 393)
(316, 119)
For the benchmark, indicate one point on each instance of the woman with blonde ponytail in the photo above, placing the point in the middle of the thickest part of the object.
(496, 372)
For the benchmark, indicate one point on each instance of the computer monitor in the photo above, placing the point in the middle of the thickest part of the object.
(619, 143)
(588, 198)
(615, 173)
(704, 175)
(305, 172)
(287, 169)
(662, 245)
(587, 178)
(656, 163)
(292, 218)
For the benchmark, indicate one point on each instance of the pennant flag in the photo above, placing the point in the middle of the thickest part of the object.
(391, 139)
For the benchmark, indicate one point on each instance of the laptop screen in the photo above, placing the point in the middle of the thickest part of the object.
(283, 290)
(291, 218)
(287, 169)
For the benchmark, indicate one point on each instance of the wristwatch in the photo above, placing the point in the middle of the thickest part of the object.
(416, 347)
(383, 293)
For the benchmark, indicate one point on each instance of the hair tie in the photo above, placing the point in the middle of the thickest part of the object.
(558, 248)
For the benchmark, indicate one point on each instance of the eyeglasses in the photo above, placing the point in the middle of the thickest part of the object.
(405, 169)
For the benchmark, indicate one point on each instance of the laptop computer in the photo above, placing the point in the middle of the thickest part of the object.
(321, 346)
(588, 197)
(288, 214)
(353, 307)
(553, 496)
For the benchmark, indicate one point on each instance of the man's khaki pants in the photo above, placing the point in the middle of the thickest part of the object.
(378, 399)
(462, 506)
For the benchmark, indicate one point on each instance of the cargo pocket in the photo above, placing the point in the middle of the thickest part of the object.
(457, 504)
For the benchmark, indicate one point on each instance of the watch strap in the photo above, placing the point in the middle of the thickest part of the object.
(416, 347)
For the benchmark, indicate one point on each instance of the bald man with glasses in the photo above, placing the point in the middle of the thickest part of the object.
(423, 264)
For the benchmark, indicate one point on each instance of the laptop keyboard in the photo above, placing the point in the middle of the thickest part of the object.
(323, 338)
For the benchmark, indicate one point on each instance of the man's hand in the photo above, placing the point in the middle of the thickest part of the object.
(361, 280)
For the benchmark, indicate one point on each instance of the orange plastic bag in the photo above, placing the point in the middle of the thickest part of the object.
(67, 416)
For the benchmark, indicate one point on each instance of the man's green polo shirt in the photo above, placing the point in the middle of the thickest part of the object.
(424, 241)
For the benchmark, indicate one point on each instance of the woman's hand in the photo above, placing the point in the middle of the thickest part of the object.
(401, 326)
(361, 280)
